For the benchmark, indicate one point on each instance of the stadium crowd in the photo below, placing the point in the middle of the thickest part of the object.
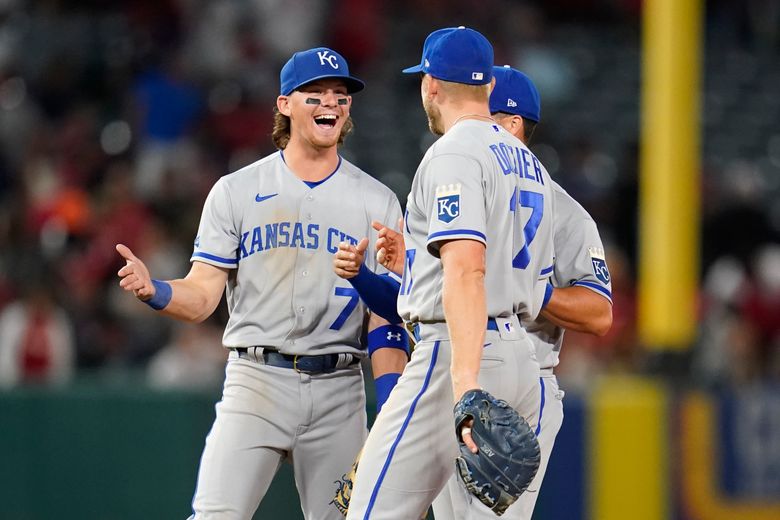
(116, 119)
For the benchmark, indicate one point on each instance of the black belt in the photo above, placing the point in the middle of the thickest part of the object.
(305, 364)
(491, 325)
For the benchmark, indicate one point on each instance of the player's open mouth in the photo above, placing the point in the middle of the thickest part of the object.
(326, 121)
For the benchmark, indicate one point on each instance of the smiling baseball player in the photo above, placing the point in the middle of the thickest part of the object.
(478, 234)
(294, 387)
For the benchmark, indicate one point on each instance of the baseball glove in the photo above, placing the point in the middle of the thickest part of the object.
(344, 487)
(508, 455)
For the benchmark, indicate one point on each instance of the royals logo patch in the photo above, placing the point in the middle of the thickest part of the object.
(599, 261)
(448, 202)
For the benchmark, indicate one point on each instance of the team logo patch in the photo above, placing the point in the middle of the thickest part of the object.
(599, 261)
(331, 59)
(448, 202)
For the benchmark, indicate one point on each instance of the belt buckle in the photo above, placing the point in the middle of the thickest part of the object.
(299, 370)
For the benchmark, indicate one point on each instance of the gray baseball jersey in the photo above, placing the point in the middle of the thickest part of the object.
(579, 260)
(481, 183)
(477, 182)
(278, 235)
(282, 234)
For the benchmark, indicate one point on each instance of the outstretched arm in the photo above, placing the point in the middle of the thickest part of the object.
(192, 298)
(579, 308)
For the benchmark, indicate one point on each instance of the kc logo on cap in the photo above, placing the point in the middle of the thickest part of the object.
(324, 56)
(514, 93)
(314, 64)
(457, 54)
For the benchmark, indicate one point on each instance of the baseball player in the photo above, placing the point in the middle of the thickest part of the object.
(578, 298)
(478, 232)
(293, 389)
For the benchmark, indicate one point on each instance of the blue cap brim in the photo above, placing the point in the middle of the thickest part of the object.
(412, 70)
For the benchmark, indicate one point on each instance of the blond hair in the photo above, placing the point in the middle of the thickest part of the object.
(281, 130)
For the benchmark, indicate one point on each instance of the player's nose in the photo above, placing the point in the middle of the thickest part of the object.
(329, 99)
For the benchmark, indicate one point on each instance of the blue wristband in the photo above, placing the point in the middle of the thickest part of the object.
(547, 295)
(379, 292)
(384, 385)
(162, 295)
(388, 336)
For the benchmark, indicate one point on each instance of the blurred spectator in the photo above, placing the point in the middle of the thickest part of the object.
(168, 106)
(36, 339)
(740, 329)
(761, 304)
(116, 118)
(617, 351)
(194, 359)
(288, 26)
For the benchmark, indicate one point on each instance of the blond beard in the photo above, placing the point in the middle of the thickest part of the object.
(434, 117)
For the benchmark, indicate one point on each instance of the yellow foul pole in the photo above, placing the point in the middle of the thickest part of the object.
(669, 173)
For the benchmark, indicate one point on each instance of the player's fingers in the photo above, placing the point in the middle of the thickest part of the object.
(378, 225)
(343, 273)
(382, 243)
(345, 263)
(362, 245)
(342, 254)
(125, 252)
(381, 255)
(345, 246)
(134, 286)
(125, 282)
(465, 433)
(140, 287)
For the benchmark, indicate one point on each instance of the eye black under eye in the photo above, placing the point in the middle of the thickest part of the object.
(342, 101)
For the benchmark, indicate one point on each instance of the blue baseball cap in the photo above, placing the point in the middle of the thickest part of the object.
(514, 93)
(313, 64)
(457, 54)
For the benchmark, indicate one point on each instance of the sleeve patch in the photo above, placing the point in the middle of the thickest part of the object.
(599, 262)
(448, 202)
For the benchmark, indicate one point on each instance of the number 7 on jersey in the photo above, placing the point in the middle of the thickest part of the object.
(535, 201)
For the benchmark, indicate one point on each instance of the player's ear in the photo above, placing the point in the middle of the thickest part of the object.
(283, 105)
(430, 85)
(492, 84)
(518, 126)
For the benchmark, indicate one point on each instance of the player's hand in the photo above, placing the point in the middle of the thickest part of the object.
(134, 275)
(465, 433)
(390, 247)
(459, 387)
(349, 258)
